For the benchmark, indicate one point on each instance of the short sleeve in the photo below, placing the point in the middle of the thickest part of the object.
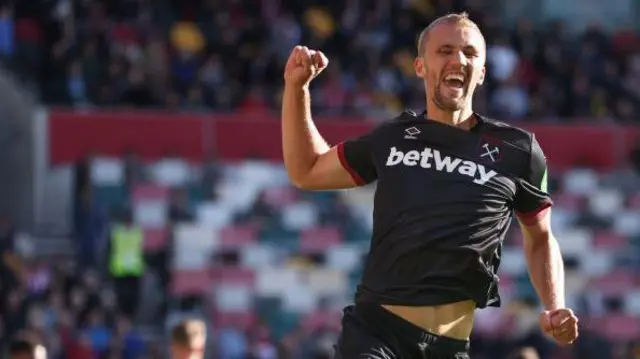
(356, 156)
(532, 198)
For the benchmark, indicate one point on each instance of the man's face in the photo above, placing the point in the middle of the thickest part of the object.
(452, 65)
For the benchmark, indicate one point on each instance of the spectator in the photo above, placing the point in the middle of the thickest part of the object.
(188, 339)
(133, 346)
(98, 333)
(26, 348)
(11, 267)
(179, 206)
(90, 221)
(232, 343)
(127, 264)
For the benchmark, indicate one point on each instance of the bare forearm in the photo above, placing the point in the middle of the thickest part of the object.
(546, 270)
(301, 141)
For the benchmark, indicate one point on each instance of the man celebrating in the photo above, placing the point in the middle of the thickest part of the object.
(448, 182)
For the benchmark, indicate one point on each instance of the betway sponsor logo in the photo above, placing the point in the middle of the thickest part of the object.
(430, 158)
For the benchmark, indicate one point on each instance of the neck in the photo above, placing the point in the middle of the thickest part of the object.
(461, 118)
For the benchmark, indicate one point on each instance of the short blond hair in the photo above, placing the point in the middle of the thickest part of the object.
(461, 18)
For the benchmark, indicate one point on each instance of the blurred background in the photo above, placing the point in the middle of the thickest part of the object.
(142, 174)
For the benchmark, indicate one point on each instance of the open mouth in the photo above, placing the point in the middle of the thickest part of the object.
(455, 80)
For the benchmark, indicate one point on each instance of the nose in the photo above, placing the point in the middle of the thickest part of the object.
(459, 58)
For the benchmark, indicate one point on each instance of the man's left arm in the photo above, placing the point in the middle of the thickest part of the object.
(544, 259)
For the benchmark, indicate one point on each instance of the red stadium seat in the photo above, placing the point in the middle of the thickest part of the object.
(322, 319)
(191, 282)
(616, 327)
(236, 237)
(514, 238)
(634, 201)
(278, 197)
(569, 201)
(28, 30)
(155, 239)
(241, 320)
(507, 285)
(319, 239)
(609, 240)
(149, 192)
(232, 275)
(497, 324)
(615, 283)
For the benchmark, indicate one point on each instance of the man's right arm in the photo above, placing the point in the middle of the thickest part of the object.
(310, 162)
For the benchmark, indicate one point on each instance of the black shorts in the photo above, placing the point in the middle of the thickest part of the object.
(371, 332)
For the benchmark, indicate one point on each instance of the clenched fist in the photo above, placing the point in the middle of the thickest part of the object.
(303, 66)
(561, 325)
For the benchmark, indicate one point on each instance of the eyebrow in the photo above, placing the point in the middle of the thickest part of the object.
(467, 47)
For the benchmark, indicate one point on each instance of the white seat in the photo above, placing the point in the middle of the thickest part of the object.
(298, 216)
(150, 213)
(190, 258)
(275, 281)
(575, 242)
(233, 298)
(360, 201)
(571, 300)
(627, 223)
(194, 245)
(171, 172)
(326, 282)
(258, 256)
(582, 182)
(597, 263)
(261, 173)
(359, 195)
(561, 219)
(237, 195)
(605, 203)
(298, 299)
(213, 214)
(632, 302)
(513, 261)
(575, 281)
(343, 257)
(107, 171)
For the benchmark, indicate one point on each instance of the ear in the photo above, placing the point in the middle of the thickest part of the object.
(482, 75)
(418, 67)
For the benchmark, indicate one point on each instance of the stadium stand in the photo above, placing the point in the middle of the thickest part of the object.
(229, 240)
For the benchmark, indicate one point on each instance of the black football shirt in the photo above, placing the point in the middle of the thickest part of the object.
(444, 201)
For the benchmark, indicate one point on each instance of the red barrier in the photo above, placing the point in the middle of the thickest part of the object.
(153, 135)
(73, 135)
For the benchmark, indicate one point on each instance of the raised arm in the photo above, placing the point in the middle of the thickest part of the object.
(310, 162)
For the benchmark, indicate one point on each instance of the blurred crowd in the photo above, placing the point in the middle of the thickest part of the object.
(226, 55)
(71, 313)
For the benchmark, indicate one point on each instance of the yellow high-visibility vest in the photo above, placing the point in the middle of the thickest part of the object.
(127, 251)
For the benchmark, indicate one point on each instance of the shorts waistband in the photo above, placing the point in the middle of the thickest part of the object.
(375, 313)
